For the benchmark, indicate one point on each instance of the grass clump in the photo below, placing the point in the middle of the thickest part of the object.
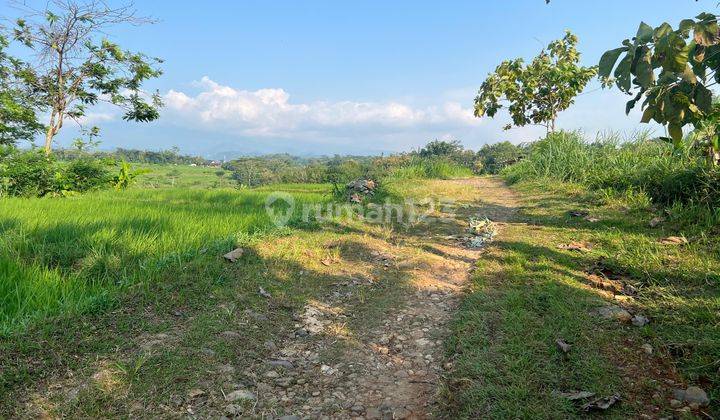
(429, 168)
(642, 164)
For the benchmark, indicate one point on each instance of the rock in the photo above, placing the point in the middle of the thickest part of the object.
(240, 395)
(234, 255)
(401, 413)
(422, 342)
(281, 363)
(614, 312)
(373, 414)
(647, 348)
(360, 188)
(230, 334)
(270, 345)
(675, 403)
(233, 409)
(601, 404)
(226, 369)
(692, 394)
(639, 321)
(264, 293)
(272, 374)
(327, 370)
(562, 345)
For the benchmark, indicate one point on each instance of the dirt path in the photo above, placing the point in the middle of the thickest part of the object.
(392, 369)
(354, 326)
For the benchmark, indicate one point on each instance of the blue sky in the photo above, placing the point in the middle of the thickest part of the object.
(322, 77)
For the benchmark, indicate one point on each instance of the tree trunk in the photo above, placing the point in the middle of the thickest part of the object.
(56, 122)
(48, 140)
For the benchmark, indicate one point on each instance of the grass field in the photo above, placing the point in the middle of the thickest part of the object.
(527, 293)
(183, 176)
(94, 284)
(70, 255)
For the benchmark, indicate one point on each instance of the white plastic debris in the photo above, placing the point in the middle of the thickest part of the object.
(483, 231)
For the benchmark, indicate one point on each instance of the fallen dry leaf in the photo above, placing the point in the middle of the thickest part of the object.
(601, 282)
(577, 246)
(674, 240)
(194, 393)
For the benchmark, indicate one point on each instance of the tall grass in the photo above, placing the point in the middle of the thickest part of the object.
(610, 163)
(74, 254)
(429, 168)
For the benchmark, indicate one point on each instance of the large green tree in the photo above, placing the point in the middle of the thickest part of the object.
(75, 66)
(18, 120)
(537, 92)
(671, 71)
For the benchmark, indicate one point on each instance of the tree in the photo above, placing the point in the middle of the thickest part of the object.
(493, 158)
(84, 145)
(438, 148)
(18, 120)
(536, 93)
(74, 66)
(671, 71)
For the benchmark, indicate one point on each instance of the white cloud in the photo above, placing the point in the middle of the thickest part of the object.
(271, 113)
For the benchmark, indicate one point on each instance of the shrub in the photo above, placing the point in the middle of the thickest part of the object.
(435, 168)
(27, 173)
(30, 173)
(654, 167)
(440, 148)
(493, 158)
(84, 175)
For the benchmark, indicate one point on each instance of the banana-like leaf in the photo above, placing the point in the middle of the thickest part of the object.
(607, 61)
(644, 34)
(622, 72)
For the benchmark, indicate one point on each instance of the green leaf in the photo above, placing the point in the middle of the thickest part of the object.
(686, 25)
(648, 114)
(622, 73)
(644, 34)
(703, 98)
(644, 69)
(631, 103)
(607, 61)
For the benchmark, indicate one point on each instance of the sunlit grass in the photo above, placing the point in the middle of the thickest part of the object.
(74, 254)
